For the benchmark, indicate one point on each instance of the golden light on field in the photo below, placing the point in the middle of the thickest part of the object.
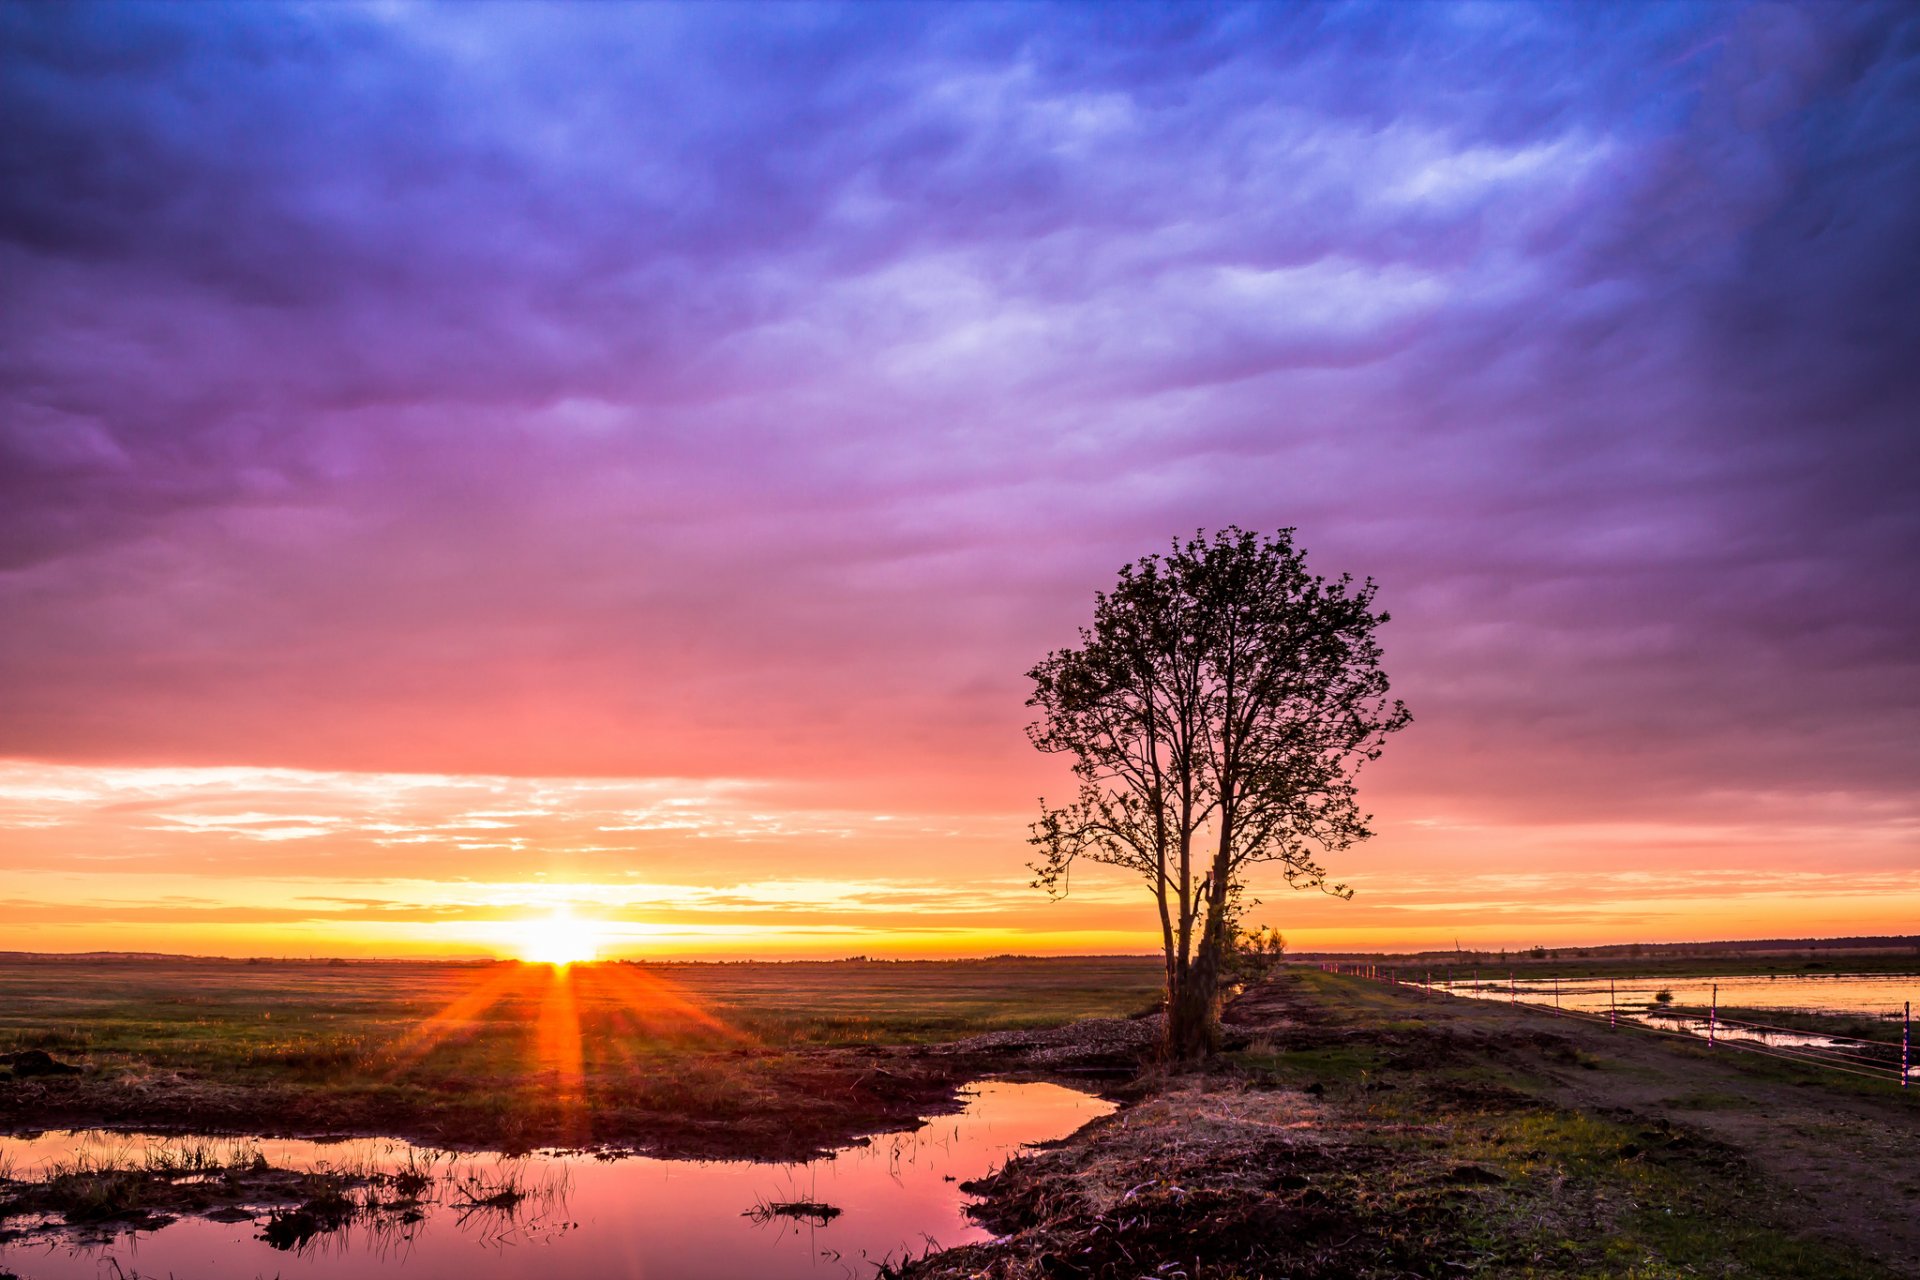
(550, 998)
(559, 939)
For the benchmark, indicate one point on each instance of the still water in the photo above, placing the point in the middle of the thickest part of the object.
(635, 1217)
(1882, 996)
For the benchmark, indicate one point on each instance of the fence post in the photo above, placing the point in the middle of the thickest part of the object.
(1513, 992)
(1429, 982)
(1713, 1017)
(1906, 1043)
(1613, 1006)
(1556, 993)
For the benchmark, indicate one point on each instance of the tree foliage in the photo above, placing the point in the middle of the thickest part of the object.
(1217, 713)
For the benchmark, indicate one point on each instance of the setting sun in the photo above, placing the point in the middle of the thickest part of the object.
(558, 939)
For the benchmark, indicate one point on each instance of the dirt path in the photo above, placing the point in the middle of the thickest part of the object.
(1845, 1159)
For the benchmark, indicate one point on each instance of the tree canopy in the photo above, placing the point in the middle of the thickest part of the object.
(1218, 713)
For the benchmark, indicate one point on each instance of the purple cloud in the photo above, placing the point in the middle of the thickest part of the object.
(729, 392)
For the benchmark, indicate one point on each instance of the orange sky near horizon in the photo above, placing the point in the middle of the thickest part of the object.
(248, 861)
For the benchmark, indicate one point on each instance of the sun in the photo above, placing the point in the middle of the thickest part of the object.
(559, 939)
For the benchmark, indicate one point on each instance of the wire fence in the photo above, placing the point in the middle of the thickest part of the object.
(1828, 1050)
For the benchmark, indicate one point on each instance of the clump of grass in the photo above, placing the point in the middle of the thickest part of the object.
(107, 1180)
(812, 1212)
(50, 1039)
(414, 1175)
(200, 1157)
(503, 1186)
(97, 1196)
(328, 1209)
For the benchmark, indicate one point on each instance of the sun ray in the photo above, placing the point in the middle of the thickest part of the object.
(455, 1017)
(645, 992)
(627, 1006)
(559, 1052)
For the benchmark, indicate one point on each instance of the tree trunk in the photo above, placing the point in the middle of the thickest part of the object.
(1191, 1033)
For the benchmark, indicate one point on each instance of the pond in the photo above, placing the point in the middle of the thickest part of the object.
(575, 1213)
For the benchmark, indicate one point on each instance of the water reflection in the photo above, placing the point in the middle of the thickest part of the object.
(1673, 1004)
(578, 1214)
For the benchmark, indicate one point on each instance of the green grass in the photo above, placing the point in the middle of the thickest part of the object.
(1584, 1195)
(316, 1021)
(507, 1054)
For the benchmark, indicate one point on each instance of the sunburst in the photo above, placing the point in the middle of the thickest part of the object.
(559, 939)
(552, 991)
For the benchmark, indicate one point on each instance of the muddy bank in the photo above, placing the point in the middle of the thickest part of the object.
(1212, 1179)
(739, 1104)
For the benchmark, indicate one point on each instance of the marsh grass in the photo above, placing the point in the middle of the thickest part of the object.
(117, 1178)
(112, 1183)
(504, 1185)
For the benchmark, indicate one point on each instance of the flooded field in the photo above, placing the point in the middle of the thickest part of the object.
(1682, 1004)
(1877, 994)
(482, 1217)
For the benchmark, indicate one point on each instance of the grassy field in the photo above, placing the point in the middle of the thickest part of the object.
(311, 1018)
(706, 1058)
(1355, 1130)
(1598, 1192)
(1350, 1130)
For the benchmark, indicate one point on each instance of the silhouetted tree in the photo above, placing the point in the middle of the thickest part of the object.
(1217, 713)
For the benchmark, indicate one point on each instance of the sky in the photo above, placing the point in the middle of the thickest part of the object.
(459, 463)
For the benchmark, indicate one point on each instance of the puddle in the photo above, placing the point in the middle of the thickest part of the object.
(584, 1215)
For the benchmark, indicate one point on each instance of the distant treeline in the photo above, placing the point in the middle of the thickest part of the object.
(1639, 950)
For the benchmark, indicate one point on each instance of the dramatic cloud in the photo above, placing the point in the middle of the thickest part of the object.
(730, 403)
